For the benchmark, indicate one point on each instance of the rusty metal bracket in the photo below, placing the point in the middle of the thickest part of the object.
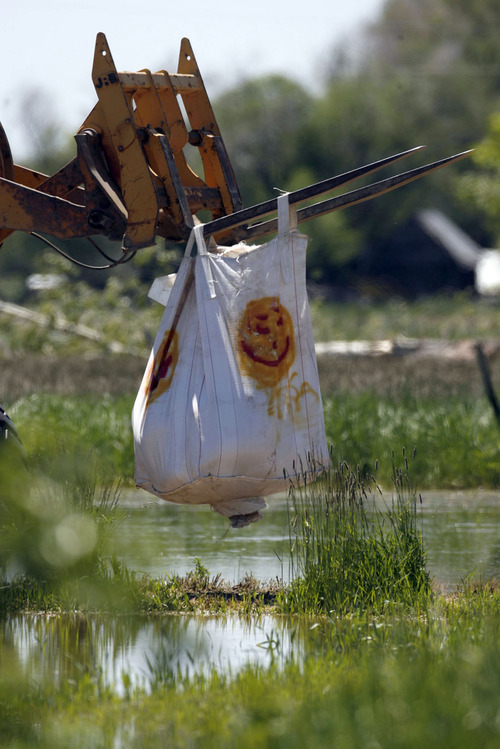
(131, 173)
(104, 207)
(30, 210)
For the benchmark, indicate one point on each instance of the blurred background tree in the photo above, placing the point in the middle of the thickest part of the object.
(479, 188)
(425, 72)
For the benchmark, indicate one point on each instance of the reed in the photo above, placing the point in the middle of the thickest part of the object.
(350, 549)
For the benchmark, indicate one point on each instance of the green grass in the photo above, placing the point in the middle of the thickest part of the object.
(382, 661)
(428, 679)
(378, 661)
(64, 434)
(348, 553)
(456, 439)
(456, 317)
(112, 588)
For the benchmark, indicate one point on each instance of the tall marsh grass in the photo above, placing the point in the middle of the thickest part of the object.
(349, 550)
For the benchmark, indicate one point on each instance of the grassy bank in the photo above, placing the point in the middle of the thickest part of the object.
(430, 679)
(379, 659)
(456, 437)
(346, 552)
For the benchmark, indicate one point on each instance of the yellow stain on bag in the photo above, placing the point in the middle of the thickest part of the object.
(289, 396)
(266, 347)
(163, 366)
(266, 341)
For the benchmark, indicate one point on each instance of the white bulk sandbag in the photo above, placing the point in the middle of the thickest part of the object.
(230, 399)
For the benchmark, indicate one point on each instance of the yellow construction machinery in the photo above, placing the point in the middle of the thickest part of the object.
(130, 180)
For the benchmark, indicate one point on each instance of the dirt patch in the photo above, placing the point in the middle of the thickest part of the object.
(431, 368)
(75, 375)
(427, 369)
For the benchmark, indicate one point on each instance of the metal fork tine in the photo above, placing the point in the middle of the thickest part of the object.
(333, 182)
(304, 193)
(353, 197)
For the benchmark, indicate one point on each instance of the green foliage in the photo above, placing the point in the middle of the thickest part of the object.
(58, 506)
(449, 318)
(347, 552)
(457, 438)
(64, 436)
(481, 187)
(334, 241)
(260, 120)
(425, 72)
(55, 530)
(410, 84)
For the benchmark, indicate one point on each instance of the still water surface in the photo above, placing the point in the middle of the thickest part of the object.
(135, 651)
(461, 535)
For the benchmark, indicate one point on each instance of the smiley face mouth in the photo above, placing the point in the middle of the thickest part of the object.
(267, 362)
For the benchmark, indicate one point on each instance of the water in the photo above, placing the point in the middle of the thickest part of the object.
(134, 651)
(461, 534)
(161, 538)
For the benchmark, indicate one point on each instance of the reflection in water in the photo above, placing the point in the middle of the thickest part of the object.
(137, 651)
(461, 535)
(162, 538)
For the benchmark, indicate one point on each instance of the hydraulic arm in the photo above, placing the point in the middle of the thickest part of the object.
(130, 179)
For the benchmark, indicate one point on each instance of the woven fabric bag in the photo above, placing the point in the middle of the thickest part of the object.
(230, 401)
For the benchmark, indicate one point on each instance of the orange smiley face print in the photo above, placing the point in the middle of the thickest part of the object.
(162, 369)
(266, 342)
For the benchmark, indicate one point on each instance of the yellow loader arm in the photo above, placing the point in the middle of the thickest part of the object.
(130, 179)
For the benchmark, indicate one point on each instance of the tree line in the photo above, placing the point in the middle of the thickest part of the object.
(426, 72)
